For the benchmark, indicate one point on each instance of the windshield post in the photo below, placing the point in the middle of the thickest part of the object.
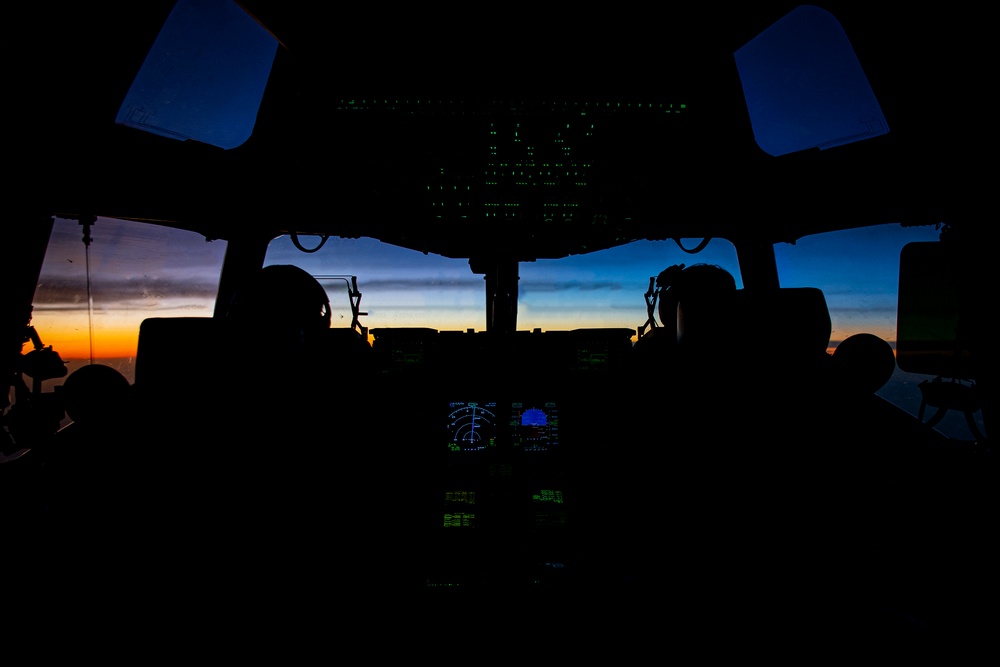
(243, 256)
(758, 266)
(501, 277)
(20, 264)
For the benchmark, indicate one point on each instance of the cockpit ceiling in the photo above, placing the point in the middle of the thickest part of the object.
(516, 134)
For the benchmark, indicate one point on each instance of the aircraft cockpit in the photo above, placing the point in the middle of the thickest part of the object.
(486, 364)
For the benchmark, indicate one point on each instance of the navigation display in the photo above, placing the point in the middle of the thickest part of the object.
(472, 426)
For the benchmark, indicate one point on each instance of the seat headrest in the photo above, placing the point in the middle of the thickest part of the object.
(864, 362)
(169, 347)
(788, 322)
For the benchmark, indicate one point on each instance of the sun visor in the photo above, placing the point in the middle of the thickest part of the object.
(804, 86)
(204, 76)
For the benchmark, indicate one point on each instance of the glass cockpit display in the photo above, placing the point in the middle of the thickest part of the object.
(534, 427)
(515, 425)
(472, 426)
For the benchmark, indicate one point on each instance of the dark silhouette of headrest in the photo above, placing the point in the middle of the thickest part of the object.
(94, 393)
(864, 362)
(788, 322)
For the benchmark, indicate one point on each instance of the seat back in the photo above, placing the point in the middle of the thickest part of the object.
(176, 356)
(783, 364)
(788, 325)
(180, 357)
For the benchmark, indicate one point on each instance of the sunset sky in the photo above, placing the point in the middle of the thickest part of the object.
(139, 271)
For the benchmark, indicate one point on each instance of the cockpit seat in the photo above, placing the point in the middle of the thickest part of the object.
(787, 328)
(176, 359)
(238, 436)
(180, 357)
(784, 363)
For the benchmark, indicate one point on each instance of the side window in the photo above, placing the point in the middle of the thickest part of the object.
(91, 298)
(858, 271)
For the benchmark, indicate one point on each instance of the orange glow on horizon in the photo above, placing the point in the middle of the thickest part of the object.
(115, 344)
(71, 343)
(69, 334)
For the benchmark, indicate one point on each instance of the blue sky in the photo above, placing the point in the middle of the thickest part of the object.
(858, 271)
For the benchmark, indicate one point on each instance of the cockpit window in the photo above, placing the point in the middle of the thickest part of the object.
(858, 271)
(204, 76)
(405, 288)
(606, 288)
(399, 287)
(92, 296)
(804, 85)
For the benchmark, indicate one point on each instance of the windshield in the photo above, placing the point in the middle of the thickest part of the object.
(406, 288)
(91, 298)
